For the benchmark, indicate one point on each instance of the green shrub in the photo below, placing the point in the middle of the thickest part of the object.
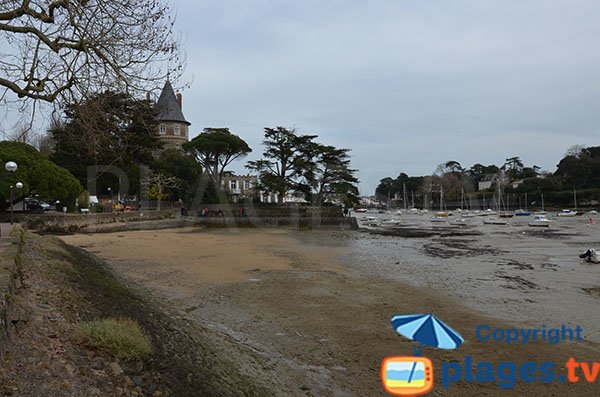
(122, 338)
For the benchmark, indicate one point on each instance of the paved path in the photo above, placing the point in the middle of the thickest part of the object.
(5, 229)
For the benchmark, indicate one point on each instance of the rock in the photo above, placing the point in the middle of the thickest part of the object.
(128, 381)
(65, 384)
(138, 381)
(119, 392)
(97, 364)
(94, 392)
(158, 393)
(43, 306)
(70, 370)
(116, 368)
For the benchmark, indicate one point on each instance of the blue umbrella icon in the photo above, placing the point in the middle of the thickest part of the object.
(428, 330)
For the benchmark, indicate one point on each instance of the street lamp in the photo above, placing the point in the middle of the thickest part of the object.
(19, 186)
(10, 166)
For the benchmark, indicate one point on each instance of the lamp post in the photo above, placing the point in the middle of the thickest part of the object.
(19, 186)
(11, 166)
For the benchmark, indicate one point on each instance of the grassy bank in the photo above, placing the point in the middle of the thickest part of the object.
(68, 295)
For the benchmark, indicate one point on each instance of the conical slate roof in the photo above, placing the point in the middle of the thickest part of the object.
(168, 107)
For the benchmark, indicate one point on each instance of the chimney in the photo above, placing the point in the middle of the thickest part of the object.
(179, 100)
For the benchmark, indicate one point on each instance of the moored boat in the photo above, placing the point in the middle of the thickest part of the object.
(506, 214)
(492, 220)
(540, 221)
(567, 213)
(522, 213)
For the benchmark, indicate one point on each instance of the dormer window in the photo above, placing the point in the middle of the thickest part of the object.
(177, 129)
(162, 129)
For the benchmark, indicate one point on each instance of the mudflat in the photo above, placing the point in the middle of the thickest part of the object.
(315, 305)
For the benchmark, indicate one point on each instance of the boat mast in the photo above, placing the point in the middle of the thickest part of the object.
(462, 198)
(543, 202)
(441, 198)
(575, 198)
(525, 202)
(413, 199)
(404, 196)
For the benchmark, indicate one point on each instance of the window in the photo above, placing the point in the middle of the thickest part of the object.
(233, 185)
(246, 185)
(177, 129)
(162, 129)
(177, 146)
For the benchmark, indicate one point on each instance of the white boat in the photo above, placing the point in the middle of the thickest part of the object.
(360, 210)
(492, 220)
(567, 213)
(540, 221)
(460, 222)
(391, 222)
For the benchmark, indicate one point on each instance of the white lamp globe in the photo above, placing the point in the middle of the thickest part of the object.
(10, 166)
(19, 185)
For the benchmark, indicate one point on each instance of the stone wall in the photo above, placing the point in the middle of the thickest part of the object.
(10, 269)
(293, 222)
(271, 211)
(71, 223)
(219, 215)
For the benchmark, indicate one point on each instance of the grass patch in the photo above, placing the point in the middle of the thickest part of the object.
(122, 338)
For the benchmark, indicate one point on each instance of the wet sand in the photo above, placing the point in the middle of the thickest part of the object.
(315, 306)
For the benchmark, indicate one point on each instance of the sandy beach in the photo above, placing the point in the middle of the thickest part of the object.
(316, 305)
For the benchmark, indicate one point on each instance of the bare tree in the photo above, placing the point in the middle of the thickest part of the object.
(159, 184)
(61, 50)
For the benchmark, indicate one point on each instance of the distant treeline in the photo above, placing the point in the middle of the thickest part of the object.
(577, 177)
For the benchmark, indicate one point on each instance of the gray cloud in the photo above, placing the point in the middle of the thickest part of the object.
(405, 84)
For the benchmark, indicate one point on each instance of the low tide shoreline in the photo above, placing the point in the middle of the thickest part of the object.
(316, 304)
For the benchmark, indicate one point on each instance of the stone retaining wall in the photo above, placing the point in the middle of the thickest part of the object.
(219, 215)
(293, 222)
(72, 223)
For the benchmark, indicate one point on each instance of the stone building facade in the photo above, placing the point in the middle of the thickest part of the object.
(173, 128)
(239, 187)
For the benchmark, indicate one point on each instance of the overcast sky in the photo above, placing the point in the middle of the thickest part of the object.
(405, 84)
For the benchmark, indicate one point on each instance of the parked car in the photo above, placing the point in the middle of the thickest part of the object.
(34, 207)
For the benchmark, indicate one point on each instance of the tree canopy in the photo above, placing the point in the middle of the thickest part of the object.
(38, 175)
(331, 175)
(297, 163)
(285, 158)
(60, 49)
(108, 129)
(216, 148)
